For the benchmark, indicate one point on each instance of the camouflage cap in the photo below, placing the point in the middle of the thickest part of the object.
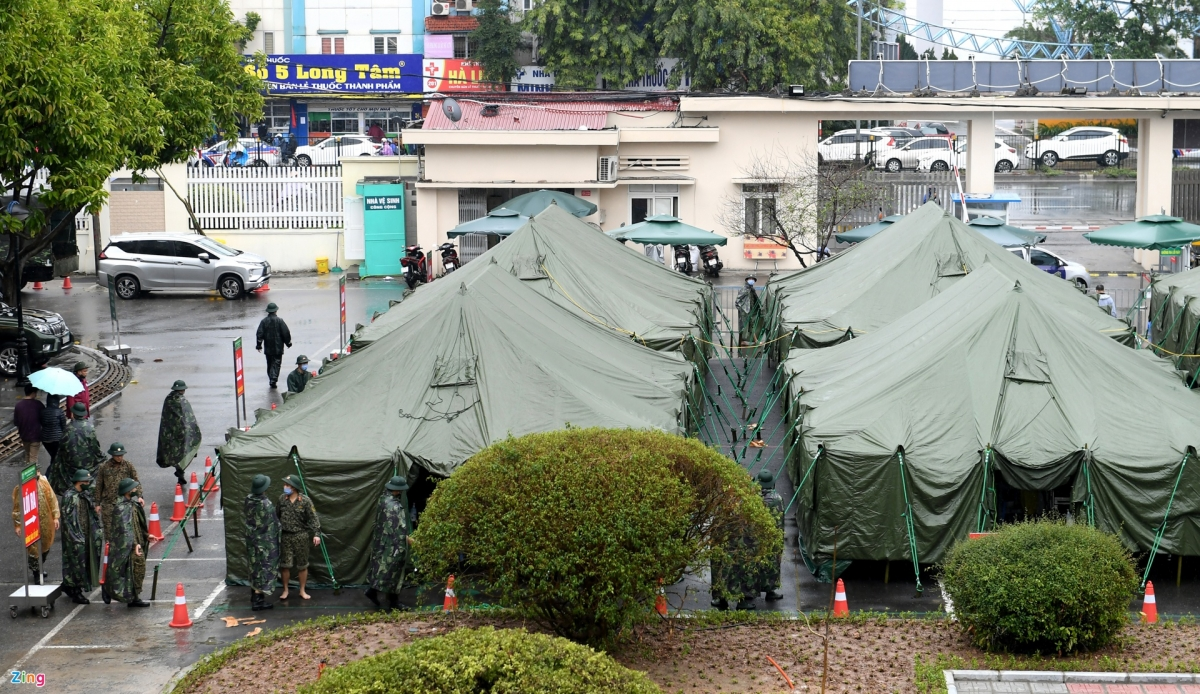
(81, 475)
(396, 484)
(272, 308)
(766, 479)
(259, 484)
(127, 485)
(301, 360)
(79, 409)
(179, 385)
(79, 366)
(293, 482)
(116, 448)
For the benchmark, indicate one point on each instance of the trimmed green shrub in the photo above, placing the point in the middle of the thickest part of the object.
(466, 661)
(1041, 586)
(574, 529)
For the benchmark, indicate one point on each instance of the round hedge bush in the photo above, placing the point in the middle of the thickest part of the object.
(575, 529)
(467, 661)
(1041, 586)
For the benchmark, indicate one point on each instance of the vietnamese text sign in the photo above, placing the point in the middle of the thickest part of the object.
(239, 375)
(454, 76)
(29, 504)
(382, 202)
(533, 78)
(338, 73)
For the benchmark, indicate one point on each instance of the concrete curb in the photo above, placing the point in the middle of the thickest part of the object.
(955, 676)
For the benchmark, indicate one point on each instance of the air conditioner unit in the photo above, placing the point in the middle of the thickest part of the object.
(440, 9)
(606, 169)
(464, 5)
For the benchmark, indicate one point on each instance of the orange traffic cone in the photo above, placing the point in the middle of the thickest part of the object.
(180, 511)
(1149, 606)
(104, 564)
(194, 492)
(840, 607)
(450, 604)
(660, 600)
(67, 282)
(180, 619)
(273, 406)
(210, 484)
(37, 286)
(155, 525)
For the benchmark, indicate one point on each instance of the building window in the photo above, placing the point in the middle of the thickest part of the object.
(387, 44)
(650, 200)
(526, 5)
(345, 123)
(462, 46)
(339, 46)
(759, 200)
(277, 115)
(269, 42)
(326, 46)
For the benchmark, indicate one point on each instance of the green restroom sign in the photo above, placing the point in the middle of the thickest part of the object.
(388, 202)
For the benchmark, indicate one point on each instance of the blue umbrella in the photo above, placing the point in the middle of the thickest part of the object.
(55, 381)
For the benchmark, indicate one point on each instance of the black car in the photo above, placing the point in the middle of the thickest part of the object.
(46, 334)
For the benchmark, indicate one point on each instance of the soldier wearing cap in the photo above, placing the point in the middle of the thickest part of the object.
(178, 433)
(262, 543)
(272, 336)
(108, 483)
(82, 539)
(298, 528)
(389, 545)
(127, 547)
(80, 450)
(84, 396)
(299, 377)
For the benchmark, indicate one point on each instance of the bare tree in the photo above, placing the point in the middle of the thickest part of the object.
(792, 199)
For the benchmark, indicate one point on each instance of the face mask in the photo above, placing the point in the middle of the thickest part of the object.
(749, 283)
(287, 490)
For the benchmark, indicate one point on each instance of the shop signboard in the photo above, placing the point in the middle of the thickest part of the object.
(533, 78)
(395, 73)
(454, 75)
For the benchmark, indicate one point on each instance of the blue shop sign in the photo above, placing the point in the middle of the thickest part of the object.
(341, 74)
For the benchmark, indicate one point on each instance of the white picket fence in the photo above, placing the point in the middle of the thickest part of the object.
(276, 197)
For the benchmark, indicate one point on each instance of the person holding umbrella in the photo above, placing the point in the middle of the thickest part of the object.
(178, 433)
(56, 383)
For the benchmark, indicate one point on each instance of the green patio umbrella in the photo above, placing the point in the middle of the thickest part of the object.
(1005, 234)
(531, 204)
(663, 228)
(500, 221)
(1154, 233)
(865, 232)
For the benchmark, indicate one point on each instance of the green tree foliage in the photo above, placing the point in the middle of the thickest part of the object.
(948, 54)
(467, 661)
(1042, 586)
(582, 39)
(907, 52)
(496, 40)
(1034, 33)
(575, 529)
(1151, 27)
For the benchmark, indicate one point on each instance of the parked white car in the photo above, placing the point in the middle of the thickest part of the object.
(895, 160)
(1054, 264)
(841, 145)
(1007, 158)
(1106, 146)
(327, 151)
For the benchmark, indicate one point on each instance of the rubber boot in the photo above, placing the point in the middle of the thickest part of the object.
(393, 602)
(746, 604)
(79, 598)
(773, 595)
(373, 596)
(105, 594)
(137, 602)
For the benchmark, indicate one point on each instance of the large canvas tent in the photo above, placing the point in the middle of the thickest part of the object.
(860, 290)
(1175, 320)
(988, 401)
(586, 272)
(494, 358)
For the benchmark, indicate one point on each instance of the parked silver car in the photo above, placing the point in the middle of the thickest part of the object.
(190, 262)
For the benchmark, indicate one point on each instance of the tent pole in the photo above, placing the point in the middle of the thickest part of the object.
(1178, 570)
(887, 570)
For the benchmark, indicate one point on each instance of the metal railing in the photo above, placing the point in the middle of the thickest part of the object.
(265, 198)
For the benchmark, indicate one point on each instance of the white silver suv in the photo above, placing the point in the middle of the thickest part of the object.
(1105, 146)
(190, 262)
(842, 145)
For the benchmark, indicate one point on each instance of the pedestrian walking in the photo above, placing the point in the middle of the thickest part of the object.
(770, 578)
(127, 547)
(262, 542)
(47, 524)
(54, 424)
(273, 335)
(27, 415)
(84, 396)
(178, 433)
(108, 483)
(80, 450)
(298, 528)
(299, 377)
(82, 539)
(389, 545)
(1105, 301)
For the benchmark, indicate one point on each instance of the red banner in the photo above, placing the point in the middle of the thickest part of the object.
(342, 293)
(239, 376)
(29, 505)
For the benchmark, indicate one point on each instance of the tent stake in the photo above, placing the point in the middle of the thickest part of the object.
(887, 571)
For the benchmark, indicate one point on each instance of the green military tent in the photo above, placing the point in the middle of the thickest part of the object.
(584, 271)
(860, 290)
(495, 358)
(1175, 320)
(986, 402)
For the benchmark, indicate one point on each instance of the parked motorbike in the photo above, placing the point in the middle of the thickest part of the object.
(710, 261)
(414, 267)
(449, 257)
(683, 259)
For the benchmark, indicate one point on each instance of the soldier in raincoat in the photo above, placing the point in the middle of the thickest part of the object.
(108, 481)
(768, 580)
(749, 308)
(82, 539)
(127, 547)
(47, 523)
(178, 433)
(262, 543)
(80, 450)
(389, 545)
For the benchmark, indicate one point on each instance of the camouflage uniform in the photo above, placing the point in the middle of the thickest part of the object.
(79, 450)
(108, 478)
(298, 524)
(82, 541)
(769, 579)
(389, 545)
(178, 433)
(126, 570)
(750, 318)
(262, 542)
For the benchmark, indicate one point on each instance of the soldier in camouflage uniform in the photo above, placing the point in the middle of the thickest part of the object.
(749, 308)
(80, 450)
(389, 545)
(178, 433)
(82, 539)
(768, 580)
(108, 481)
(298, 528)
(262, 543)
(127, 547)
